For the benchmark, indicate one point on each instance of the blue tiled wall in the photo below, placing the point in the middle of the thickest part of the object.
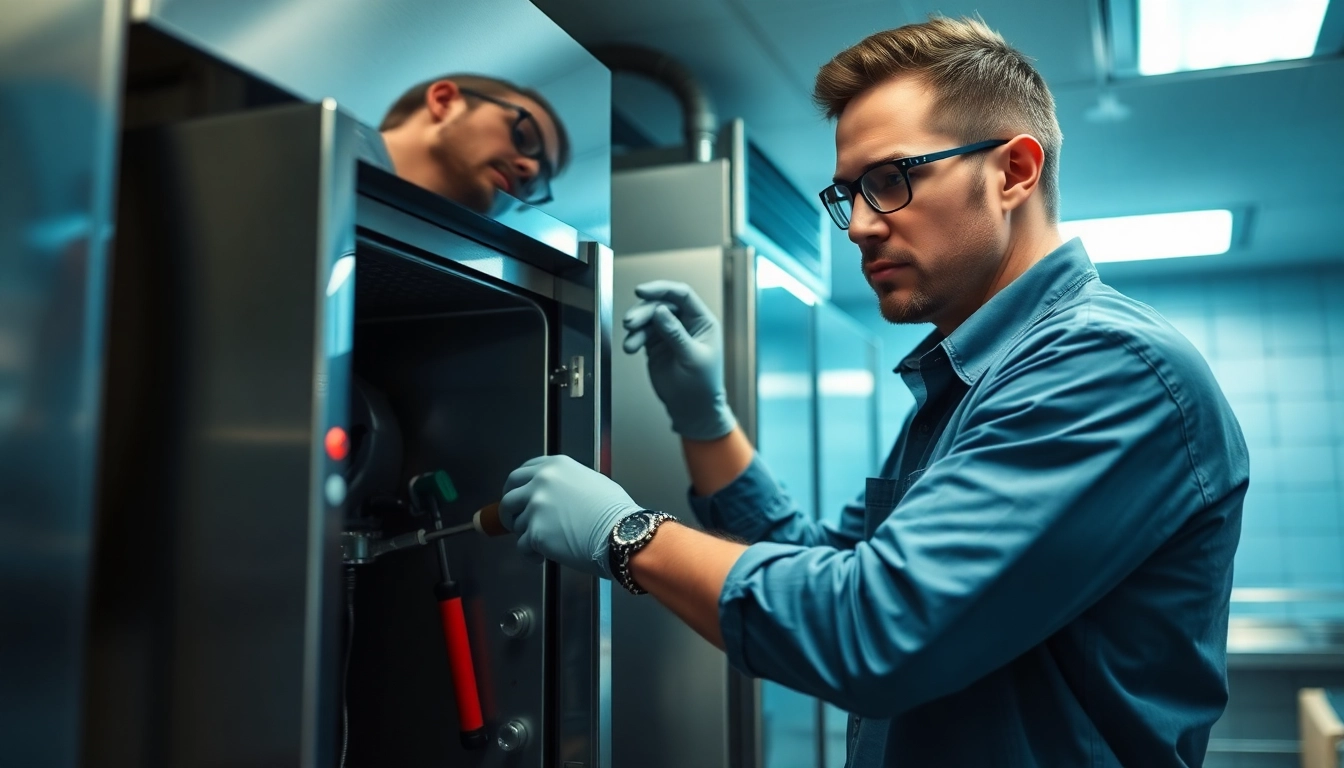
(1276, 344)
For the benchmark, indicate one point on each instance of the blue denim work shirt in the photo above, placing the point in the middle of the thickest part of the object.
(1041, 575)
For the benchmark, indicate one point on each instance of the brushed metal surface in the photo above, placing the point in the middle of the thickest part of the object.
(670, 699)
(365, 54)
(217, 587)
(60, 64)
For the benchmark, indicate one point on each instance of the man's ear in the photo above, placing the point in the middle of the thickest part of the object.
(1023, 161)
(443, 99)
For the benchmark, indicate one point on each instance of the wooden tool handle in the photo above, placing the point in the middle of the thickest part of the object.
(487, 521)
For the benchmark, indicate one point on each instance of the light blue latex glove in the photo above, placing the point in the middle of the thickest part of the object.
(564, 511)
(684, 342)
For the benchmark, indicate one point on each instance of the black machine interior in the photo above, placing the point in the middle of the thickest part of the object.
(450, 374)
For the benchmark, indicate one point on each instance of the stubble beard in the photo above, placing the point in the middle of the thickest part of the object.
(947, 281)
(461, 180)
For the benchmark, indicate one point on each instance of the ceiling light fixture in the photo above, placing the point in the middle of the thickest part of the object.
(1185, 35)
(1153, 236)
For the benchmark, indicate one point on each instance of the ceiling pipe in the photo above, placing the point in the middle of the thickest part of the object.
(1108, 108)
(699, 123)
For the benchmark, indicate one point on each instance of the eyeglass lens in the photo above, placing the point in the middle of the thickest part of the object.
(527, 137)
(884, 187)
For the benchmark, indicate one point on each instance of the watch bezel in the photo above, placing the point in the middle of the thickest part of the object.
(622, 550)
(646, 520)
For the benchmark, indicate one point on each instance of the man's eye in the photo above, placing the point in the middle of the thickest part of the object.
(888, 180)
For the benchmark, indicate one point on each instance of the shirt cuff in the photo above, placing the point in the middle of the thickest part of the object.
(746, 506)
(739, 597)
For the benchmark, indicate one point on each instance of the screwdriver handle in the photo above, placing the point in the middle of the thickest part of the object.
(486, 521)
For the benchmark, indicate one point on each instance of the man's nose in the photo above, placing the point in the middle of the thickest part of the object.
(865, 224)
(526, 168)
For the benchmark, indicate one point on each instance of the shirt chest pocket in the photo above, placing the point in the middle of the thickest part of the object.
(880, 497)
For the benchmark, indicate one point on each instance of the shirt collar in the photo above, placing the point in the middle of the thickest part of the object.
(1009, 313)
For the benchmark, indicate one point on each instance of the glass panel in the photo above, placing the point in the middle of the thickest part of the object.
(847, 417)
(321, 50)
(848, 449)
(785, 440)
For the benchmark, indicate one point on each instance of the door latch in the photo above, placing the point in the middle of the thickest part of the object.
(570, 376)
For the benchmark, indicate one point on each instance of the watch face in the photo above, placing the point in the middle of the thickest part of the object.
(632, 527)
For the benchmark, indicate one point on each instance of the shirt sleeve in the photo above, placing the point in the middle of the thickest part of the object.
(756, 508)
(1070, 470)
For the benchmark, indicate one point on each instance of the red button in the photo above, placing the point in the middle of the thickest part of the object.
(338, 443)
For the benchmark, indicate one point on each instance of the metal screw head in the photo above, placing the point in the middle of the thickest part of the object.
(512, 736)
(516, 623)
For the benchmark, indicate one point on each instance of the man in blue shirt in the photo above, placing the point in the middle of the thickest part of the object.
(1040, 576)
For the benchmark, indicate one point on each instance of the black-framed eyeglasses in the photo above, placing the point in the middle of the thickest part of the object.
(885, 185)
(530, 143)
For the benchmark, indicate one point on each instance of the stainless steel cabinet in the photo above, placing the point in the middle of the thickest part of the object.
(263, 277)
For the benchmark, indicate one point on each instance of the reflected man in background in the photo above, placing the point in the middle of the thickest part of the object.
(469, 137)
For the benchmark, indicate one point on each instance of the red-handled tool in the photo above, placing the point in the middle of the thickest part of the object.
(427, 492)
(471, 723)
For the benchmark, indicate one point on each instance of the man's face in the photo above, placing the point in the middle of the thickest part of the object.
(935, 259)
(472, 143)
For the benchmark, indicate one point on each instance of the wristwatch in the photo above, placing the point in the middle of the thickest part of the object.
(631, 534)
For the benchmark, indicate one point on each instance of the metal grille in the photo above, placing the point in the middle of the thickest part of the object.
(782, 213)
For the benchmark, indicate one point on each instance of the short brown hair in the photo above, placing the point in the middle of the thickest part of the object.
(413, 100)
(985, 88)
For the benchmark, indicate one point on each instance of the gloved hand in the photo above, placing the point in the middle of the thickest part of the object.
(564, 511)
(685, 348)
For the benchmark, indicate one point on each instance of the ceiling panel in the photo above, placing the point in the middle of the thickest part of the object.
(603, 19)
(804, 38)
(1258, 138)
(1254, 138)
(1056, 34)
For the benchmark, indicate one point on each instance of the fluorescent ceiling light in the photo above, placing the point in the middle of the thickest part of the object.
(1155, 236)
(1180, 35)
(771, 275)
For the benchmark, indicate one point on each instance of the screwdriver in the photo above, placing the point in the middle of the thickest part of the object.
(429, 490)
(484, 521)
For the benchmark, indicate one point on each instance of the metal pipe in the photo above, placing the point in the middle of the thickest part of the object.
(700, 126)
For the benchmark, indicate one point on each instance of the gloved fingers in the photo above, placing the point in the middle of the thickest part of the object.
(637, 321)
(523, 474)
(667, 326)
(687, 305)
(513, 509)
(638, 315)
(664, 290)
(634, 341)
